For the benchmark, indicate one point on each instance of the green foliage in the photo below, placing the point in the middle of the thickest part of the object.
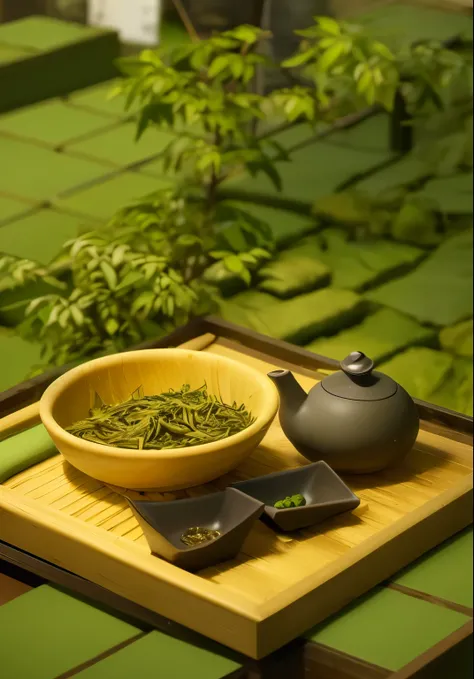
(349, 68)
(147, 270)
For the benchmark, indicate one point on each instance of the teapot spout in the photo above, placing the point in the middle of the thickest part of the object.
(292, 395)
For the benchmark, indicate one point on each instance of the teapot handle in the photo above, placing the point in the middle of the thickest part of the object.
(357, 364)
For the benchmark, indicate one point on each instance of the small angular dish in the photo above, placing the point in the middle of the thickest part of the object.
(325, 493)
(231, 512)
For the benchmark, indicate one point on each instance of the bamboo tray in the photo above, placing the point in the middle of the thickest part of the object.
(280, 585)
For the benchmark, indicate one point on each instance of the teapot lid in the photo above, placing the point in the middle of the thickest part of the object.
(358, 381)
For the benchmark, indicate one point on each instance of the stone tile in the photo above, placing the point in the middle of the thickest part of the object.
(51, 123)
(117, 146)
(38, 236)
(39, 174)
(102, 200)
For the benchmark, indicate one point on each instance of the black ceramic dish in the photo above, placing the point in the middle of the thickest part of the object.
(231, 512)
(325, 493)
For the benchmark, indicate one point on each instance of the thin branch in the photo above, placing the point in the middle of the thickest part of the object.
(188, 24)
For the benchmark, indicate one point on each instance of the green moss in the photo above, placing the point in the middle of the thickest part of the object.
(118, 147)
(315, 171)
(295, 271)
(451, 195)
(298, 320)
(457, 339)
(439, 291)
(456, 391)
(51, 122)
(102, 200)
(39, 174)
(420, 371)
(380, 336)
(358, 265)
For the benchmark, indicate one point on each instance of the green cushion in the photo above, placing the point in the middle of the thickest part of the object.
(445, 572)
(46, 633)
(39, 174)
(18, 357)
(39, 236)
(24, 450)
(158, 655)
(380, 336)
(439, 291)
(388, 628)
(51, 122)
(117, 146)
(294, 271)
(103, 199)
(297, 320)
(457, 339)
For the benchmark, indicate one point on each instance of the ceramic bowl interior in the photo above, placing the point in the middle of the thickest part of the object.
(230, 512)
(324, 491)
(115, 378)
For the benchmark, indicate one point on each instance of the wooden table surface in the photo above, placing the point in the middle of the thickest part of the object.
(417, 625)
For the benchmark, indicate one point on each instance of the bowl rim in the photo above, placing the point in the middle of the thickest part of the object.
(55, 390)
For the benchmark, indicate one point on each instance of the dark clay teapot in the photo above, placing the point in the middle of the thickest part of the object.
(357, 420)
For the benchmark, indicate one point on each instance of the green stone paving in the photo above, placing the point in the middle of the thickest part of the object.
(409, 306)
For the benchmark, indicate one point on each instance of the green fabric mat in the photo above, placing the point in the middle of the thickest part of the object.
(388, 628)
(24, 450)
(445, 572)
(298, 320)
(380, 336)
(439, 291)
(46, 633)
(159, 656)
(457, 339)
(295, 271)
(51, 122)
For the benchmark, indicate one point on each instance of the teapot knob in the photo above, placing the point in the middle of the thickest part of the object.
(357, 364)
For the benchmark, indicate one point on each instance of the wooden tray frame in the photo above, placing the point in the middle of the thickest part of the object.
(255, 630)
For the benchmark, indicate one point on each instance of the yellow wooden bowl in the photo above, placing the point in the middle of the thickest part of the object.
(115, 377)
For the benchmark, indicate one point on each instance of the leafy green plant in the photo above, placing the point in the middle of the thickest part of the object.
(348, 69)
(147, 270)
